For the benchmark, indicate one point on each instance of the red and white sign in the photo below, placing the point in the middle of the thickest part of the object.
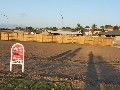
(17, 55)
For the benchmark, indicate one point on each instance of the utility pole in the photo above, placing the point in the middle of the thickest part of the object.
(6, 21)
(62, 20)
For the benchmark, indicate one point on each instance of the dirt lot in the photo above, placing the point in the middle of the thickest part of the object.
(85, 67)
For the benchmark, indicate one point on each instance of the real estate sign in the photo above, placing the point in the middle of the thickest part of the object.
(17, 55)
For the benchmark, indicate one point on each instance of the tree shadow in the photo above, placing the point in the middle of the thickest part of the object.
(52, 67)
(91, 82)
(59, 56)
(65, 55)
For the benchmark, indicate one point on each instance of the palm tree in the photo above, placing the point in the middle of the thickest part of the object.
(78, 25)
(94, 26)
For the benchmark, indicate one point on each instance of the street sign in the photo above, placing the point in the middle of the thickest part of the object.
(17, 55)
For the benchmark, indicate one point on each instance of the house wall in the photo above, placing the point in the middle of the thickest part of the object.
(108, 29)
(88, 33)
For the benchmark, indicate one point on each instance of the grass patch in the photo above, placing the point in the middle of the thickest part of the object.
(19, 84)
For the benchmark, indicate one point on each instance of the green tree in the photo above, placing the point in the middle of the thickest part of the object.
(102, 27)
(106, 26)
(78, 25)
(30, 29)
(87, 26)
(17, 28)
(79, 28)
(94, 26)
(54, 29)
(116, 28)
(20, 28)
(68, 27)
(47, 28)
(63, 28)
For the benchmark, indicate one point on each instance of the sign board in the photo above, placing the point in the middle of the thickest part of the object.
(17, 55)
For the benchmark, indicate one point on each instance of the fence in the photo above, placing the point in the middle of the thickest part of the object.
(103, 41)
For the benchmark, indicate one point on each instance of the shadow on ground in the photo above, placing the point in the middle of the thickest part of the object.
(65, 55)
(101, 75)
(91, 82)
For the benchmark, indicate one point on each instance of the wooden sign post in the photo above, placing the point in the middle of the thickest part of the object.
(17, 55)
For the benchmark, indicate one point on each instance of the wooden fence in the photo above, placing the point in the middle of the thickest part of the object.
(103, 41)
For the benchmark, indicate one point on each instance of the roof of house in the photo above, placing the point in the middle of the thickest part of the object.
(114, 32)
(20, 31)
(101, 33)
(86, 30)
(64, 32)
(9, 31)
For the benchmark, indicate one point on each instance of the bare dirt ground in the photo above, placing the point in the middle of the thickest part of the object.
(85, 67)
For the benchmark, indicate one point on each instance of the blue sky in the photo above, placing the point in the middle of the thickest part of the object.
(46, 13)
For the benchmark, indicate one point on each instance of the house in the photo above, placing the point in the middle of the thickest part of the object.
(21, 31)
(88, 28)
(96, 32)
(87, 32)
(110, 33)
(8, 31)
(60, 32)
(109, 28)
(101, 34)
(113, 33)
(46, 32)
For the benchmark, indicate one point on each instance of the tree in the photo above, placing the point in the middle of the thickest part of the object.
(20, 28)
(66, 27)
(30, 29)
(78, 25)
(47, 28)
(17, 28)
(94, 26)
(63, 28)
(116, 28)
(102, 27)
(106, 26)
(87, 26)
(54, 29)
(79, 28)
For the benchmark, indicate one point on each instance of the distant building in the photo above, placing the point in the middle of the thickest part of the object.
(110, 33)
(109, 28)
(96, 32)
(88, 28)
(87, 32)
(60, 32)
(20, 31)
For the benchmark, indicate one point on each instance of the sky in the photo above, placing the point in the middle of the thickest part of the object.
(46, 13)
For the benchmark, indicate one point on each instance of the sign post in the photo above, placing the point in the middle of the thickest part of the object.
(17, 55)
